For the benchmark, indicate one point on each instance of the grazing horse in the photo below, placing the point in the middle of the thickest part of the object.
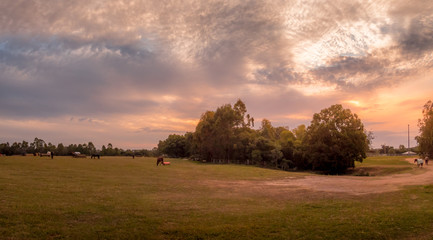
(419, 162)
(159, 160)
(95, 156)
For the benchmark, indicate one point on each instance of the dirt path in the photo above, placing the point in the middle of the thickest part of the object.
(359, 185)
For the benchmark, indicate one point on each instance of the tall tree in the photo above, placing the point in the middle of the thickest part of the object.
(190, 145)
(24, 147)
(300, 133)
(242, 120)
(287, 142)
(267, 130)
(61, 150)
(173, 146)
(203, 135)
(245, 141)
(38, 145)
(104, 150)
(226, 119)
(335, 140)
(91, 148)
(217, 134)
(5, 148)
(425, 139)
(240, 110)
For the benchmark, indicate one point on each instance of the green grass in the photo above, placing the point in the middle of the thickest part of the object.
(125, 198)
(385, 161)
(383, 165)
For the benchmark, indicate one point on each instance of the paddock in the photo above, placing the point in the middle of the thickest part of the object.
(125, 198)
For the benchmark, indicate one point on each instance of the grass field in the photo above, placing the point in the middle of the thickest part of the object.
(125, 198)
(383, 165)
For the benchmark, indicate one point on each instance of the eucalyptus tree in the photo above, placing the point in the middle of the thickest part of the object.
(203, 136)
(38, 145)
(223, 134)
(91, 148)
(267, 130)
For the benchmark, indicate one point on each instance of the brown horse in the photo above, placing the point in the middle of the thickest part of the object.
(159, 160)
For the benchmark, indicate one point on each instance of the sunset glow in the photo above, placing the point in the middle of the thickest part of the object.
(131, 72)
(354, 102)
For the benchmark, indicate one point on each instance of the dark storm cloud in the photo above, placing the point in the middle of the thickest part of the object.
(412, 26)
(353, 73)
(418, 38)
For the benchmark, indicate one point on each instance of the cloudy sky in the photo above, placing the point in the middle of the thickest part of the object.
(132, 72)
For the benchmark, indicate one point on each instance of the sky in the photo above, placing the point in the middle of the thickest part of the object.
(132, 72)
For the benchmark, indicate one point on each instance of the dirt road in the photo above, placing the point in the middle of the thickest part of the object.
(359, 185)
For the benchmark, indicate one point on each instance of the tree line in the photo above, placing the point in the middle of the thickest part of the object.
(40, 146)
(390, 150)
(425, 139)
(335, 139)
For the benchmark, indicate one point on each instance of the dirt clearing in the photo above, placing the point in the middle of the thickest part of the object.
(353, 185)
(360, 185)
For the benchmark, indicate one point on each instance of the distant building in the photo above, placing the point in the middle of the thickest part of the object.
(409, 153)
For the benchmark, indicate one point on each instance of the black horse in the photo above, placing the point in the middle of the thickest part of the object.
(95, 156)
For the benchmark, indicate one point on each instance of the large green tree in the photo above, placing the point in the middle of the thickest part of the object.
(173, 146)
(203, 136)
(425, 139)
(335, 140)
(38, 145)
(226, 119)
(220, 135)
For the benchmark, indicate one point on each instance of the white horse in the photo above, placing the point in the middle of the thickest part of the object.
(419, 162)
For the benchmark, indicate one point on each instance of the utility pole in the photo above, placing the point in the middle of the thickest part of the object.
(408, 143)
